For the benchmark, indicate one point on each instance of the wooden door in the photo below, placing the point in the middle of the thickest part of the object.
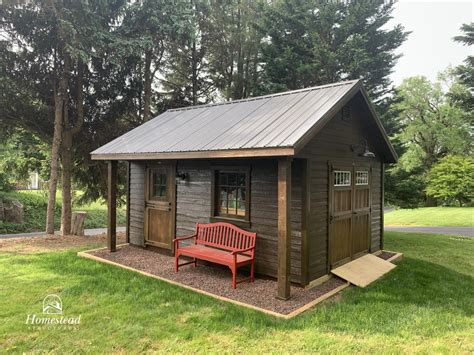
(349, 214)
(361, 218)
(340, 218)
(160, 200)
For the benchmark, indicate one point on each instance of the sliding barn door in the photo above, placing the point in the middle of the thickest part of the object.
(349, 214)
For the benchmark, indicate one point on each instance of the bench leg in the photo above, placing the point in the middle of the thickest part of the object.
(176, 262)
(195, 262)
(234, 276)
(252, 272)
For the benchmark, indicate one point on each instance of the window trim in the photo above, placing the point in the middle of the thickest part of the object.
(245, 220)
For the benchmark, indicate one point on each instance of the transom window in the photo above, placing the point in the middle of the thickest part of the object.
(159, 184)
(362, 177)
(231, 193)
(342, 178)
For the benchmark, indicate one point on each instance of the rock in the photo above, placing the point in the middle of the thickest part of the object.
(13, 212)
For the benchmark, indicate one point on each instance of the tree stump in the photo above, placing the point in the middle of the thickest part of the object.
(77, 223)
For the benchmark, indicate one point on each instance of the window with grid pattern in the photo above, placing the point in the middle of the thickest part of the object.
(362, 177)
(231, 192)
(159, 184)
(342, 178)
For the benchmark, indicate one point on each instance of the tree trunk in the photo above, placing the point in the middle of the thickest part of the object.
(430, 202)
(194, 73)
(66, 162)
(147, 89)
(60, 98)
(66, 153)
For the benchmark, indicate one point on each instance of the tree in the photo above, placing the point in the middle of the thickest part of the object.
(187, 78)
(318, 42)
(64, 36)
(465, 72)
(433, 126)
(235, 46)
(452, 179)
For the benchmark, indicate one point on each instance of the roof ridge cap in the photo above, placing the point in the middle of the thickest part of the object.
(192, 107)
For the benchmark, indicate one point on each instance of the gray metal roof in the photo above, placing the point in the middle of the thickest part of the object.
(272, 121)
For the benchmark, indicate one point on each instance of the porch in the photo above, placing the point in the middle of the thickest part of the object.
(283, 198)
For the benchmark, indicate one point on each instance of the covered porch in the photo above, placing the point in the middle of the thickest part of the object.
(282, 286)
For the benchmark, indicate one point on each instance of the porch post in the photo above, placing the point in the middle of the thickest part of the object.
(284, 227)
(112, 205)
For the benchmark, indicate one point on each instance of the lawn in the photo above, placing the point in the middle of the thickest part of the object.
(424, 305)
(431, 216)
(35, 204)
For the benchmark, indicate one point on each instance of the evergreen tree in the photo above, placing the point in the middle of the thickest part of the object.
(317, 42)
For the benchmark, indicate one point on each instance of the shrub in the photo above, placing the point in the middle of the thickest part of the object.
(452, 179)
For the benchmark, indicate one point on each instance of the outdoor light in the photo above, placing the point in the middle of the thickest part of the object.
(366, 153)
(182, 176)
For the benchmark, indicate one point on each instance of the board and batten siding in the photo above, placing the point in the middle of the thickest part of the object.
(193, 205)
(332, 145)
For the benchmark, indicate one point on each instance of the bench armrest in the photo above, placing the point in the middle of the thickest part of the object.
(242, 250)
(177, 240)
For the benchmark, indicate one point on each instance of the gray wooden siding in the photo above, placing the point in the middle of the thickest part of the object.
(332, 145)
(137, 203)
(194, 205)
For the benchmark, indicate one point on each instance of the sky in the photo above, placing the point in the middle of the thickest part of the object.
(430, 47)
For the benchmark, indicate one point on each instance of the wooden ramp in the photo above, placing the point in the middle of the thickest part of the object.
(364, 270)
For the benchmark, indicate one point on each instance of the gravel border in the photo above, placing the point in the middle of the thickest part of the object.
(218, 280)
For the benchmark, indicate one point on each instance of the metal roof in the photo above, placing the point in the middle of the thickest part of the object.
(265, 125)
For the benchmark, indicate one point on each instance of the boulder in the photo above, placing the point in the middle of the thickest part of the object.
(13, 212)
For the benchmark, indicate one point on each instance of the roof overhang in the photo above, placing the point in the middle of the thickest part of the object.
(212, 154)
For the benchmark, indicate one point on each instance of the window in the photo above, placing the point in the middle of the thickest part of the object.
(342, 178)
(231, 189)
(158, 184)
(362, 177)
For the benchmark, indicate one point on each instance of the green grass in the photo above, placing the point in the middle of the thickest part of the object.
(424, 306)
(35, 204)
(431, 216)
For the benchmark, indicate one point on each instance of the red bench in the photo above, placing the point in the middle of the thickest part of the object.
(213, 242)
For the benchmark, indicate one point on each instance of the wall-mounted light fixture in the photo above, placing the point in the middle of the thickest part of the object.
(366, 153)
(181, 176)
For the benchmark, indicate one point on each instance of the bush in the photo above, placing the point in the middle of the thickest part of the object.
(5, 185)
(34, 206)
(452, 180)
(404, 189)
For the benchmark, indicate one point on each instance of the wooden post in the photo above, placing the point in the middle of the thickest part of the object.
(284, 227)
(112, 206)
(127, 226)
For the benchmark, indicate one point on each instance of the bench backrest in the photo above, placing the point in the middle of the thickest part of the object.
(225, 236)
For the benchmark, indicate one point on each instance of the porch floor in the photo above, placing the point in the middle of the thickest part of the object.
(216, 280)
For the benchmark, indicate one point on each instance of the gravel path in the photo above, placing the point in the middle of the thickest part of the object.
(218, 280)
(94, 231)
(461, 231)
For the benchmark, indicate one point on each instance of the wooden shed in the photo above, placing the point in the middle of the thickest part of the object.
(303, 169)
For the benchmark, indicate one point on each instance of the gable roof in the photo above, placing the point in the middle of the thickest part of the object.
(271, 125)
